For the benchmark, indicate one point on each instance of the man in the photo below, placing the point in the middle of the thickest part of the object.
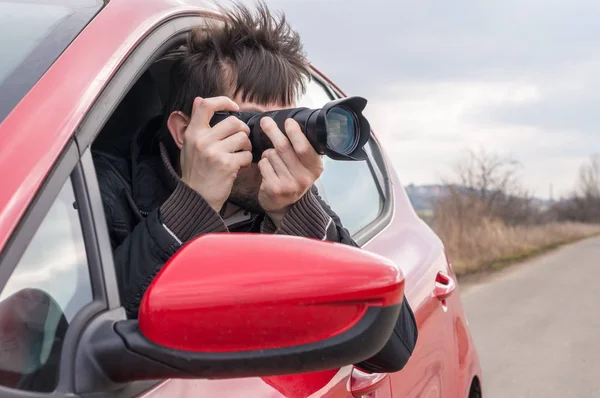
(186, 178)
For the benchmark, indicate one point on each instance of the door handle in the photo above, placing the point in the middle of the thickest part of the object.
(444, 286)
(362, 384)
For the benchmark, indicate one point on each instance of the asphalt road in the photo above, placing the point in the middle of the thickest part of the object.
(537, 325)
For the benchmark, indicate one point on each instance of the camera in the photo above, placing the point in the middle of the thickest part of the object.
(338, 130)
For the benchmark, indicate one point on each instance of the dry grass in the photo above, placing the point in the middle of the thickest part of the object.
(490, 245)
(475, 242)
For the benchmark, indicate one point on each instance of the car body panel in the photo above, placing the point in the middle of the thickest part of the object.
(34, 134)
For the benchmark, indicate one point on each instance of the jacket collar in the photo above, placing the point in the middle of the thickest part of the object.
(151, 181)
(153, 177)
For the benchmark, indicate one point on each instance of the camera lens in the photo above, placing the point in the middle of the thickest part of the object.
(341, 130)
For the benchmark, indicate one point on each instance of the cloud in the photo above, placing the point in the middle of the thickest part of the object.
(441, 40)
(519, 77)
(568, 102)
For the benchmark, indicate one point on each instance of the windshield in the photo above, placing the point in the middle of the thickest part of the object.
(32, 36)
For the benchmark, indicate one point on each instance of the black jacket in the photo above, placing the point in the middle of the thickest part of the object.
(150, 213)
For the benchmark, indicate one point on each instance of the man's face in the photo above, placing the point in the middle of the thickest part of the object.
(244, 192)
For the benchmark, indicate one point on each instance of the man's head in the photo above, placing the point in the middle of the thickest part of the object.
(253, 57)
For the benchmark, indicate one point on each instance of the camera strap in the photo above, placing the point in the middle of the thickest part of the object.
(257, 148)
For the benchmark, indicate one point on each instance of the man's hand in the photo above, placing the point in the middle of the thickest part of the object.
(212, 157)
(288, 170)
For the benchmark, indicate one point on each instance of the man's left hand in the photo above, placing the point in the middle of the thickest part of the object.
(288, 170)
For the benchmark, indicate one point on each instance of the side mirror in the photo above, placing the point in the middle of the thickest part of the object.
(250, 305)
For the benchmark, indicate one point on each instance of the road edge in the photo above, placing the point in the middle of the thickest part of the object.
(501, 266)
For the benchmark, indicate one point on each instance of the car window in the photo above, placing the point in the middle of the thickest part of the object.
(315, 96)
(49, 285)
(32, 36)
(35, 27)
(349, 187)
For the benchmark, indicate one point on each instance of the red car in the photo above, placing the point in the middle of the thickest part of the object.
(277, 317)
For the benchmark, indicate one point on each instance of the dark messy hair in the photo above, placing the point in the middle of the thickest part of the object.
(251, 53)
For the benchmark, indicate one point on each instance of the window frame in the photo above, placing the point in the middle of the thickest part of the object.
(67, 169)
(152, 47)
(379, 172)
(162, 37)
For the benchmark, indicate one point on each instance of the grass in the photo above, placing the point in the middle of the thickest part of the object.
(488, 245)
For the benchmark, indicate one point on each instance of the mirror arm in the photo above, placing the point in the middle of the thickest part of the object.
(111, 363)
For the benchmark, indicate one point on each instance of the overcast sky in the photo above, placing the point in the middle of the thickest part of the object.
(519, 77)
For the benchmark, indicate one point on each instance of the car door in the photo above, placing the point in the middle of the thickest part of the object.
(372, 203)
(93, 93)
(433, 370)
(145, 49)
(51, 285)
(56, 282)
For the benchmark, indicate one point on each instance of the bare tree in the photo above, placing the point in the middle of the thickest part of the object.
(584, 205)
(589, 178)
(488, 174)
(489, 182)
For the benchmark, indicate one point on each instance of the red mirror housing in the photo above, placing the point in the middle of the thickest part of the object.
(243, 292)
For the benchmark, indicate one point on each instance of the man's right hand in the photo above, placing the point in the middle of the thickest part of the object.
(211, 157)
